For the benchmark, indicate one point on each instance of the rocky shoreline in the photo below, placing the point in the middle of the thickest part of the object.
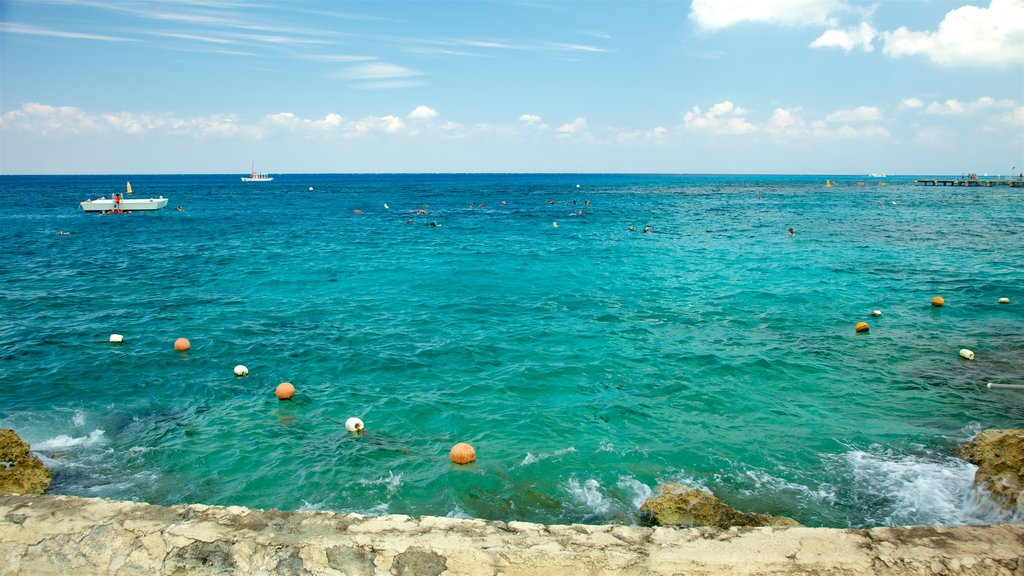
(83, 536)
(42, 534)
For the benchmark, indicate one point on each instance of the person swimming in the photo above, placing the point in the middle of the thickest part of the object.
(791, 232)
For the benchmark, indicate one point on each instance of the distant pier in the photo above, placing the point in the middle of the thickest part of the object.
(988, 182)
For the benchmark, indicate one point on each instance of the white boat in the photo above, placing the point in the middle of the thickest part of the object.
(121, 204)
(882, 175)
(255, 176)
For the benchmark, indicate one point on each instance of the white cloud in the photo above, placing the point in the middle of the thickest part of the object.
(423, 113)
(530, 119)
(858, 114)
(967, 36)
(911, 103)
(720, 14)
(288, 121)
(379, 71)
(954, 107)
(658, 134)
(63, 121)
(862, 36)
(389, 124)
(785, 121)
(578, 125)
(722, 118)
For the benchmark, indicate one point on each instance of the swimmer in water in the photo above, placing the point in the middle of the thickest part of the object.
(791, 232)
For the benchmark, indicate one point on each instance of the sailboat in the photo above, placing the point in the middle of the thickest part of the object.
(255, 176)
(129, 188)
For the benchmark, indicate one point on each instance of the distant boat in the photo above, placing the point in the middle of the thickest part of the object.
(129, 188)
(877, 175)
(255, 176)
(121, 204)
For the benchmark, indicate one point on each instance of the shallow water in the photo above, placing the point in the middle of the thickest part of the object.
(586, 363)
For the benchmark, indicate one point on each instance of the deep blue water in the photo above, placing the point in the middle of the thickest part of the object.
(587, 363)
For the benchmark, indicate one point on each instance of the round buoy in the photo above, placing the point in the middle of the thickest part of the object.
(116, 338)
(967, 354)
(182, 344)
(310, 188)
(938, 301)
(285, 391)
(876, 313)
(386, 207)
(241, 370)
(354, 424)
(358, 211)
(462, 453)
(554, 224)
(862, 327)
(1004, 300)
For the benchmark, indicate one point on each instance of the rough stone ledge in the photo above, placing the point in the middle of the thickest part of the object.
(83, 536)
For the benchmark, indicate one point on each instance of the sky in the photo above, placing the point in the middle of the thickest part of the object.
(931, 87)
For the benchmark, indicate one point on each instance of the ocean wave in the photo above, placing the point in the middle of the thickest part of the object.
(588, 494)
(765, 482)
(63, 442)
(392, 481)
(924, 488)
(639, 491)
(532, 459)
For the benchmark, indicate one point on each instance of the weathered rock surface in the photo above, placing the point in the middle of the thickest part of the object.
(20, 471)
(999, 455)
(81, 536)
(678, 505)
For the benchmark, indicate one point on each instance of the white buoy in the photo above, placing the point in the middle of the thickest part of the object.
(967, 354)
(577, 185)
(310, 188)
(876, 313)
(386, 207)
(116, 338)
(354, 424)
(241, 370)
(1004, 300)
(1009, 386)
(554, 224)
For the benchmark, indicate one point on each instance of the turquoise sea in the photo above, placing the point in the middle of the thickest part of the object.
(586, 363)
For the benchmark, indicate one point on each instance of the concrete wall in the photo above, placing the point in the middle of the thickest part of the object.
(80, 536)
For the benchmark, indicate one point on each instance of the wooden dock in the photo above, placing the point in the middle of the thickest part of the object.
(987, 182)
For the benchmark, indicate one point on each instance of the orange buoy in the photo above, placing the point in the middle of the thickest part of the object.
(285, 391)
(938, 301)
(182, 344)
(358, 211)
(862, 327)
(462, 453)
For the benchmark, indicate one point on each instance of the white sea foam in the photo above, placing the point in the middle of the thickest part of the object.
(922, 489)
(638, 491)
(63, 442)
(589, 495)
(392, 481)
(310, 507)
(79, 418)
(457, 512)
(765, 482)
(532, 459)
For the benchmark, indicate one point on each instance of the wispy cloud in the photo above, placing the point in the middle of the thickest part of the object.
(378, 71)
(15, 28)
